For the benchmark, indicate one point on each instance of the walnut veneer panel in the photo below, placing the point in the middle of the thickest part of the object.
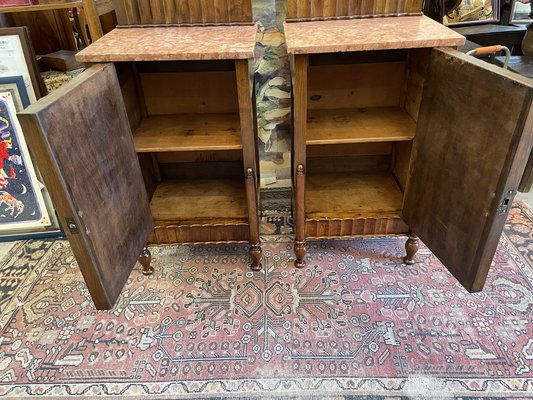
(298, 10)
(172, 43)
(368, 34)
(183, 12)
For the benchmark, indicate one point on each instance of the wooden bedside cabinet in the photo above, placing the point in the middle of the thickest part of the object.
(395, 131)
(156, 143)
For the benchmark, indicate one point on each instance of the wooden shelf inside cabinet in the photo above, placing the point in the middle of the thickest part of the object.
(41, 7)
(363, 125)
(355, 195)
(188, 132)
(199, 202)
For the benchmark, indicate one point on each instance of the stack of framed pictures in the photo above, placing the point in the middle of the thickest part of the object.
(25, 206)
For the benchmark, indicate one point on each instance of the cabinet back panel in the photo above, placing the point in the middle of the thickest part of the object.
(202, 170)
(190, 92)
(417, 64)
(198, 156)
(401, 162)
(355, 85)
(357, 149)
(298, 10)
(130, 93)
(348, 164)
(183, 12)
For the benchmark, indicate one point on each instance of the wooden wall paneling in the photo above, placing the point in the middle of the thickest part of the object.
(208, 11)
(168, 10)
(195, 12)
(316, 9)
(221, 11)
(131, 12)
(240, 11)
(184, 12)
(333, 9)
(244, 74)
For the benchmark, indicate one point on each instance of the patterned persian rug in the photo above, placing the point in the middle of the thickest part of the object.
(354, 324)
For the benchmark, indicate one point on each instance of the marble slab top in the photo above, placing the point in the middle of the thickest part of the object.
(368, 34)
(172, 43)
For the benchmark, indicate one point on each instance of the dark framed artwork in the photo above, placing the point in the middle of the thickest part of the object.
(25, 207)
(470, 12)
(17, 58)
(15, 86)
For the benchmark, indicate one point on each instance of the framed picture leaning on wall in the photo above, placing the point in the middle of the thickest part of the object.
(25, 207)
(470, 12)
(18, 58)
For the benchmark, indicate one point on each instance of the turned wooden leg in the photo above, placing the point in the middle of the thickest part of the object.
(145, 258)
(411, 248)
(255, 254)
(299, 252)
(299, 217)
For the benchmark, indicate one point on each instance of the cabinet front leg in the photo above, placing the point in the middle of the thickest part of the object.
(145, 258)
(299, 252)
(299, 243)
(411, 248)
(253, 219)
(255, 254)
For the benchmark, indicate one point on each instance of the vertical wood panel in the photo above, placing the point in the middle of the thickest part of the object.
(157, 11)
(169, 10)
(326, 9)
(221, 11)
(208, 11)
(145, 11)
(316, 9)
(195, 12)
(132, 12)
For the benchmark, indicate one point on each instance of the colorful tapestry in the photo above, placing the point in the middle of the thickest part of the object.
(355, 322)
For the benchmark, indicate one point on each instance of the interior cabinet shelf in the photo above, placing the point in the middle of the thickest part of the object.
(362, 125)
(199, 201)
(188, 132)
(368, 194)
(41, 7)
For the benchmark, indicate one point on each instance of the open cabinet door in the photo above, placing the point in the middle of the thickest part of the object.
(80, 138)
(473, 139)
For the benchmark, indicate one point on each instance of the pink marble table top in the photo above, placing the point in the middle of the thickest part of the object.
(368, 34)
(172, 43)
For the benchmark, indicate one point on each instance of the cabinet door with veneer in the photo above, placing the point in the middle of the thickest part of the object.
(468, 157)
(81, 139)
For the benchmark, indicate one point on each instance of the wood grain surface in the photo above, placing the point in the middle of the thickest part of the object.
(468, 158)
(183, 12)
(360, 125)
(81, 140)
(188, 132)
(299, 10)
